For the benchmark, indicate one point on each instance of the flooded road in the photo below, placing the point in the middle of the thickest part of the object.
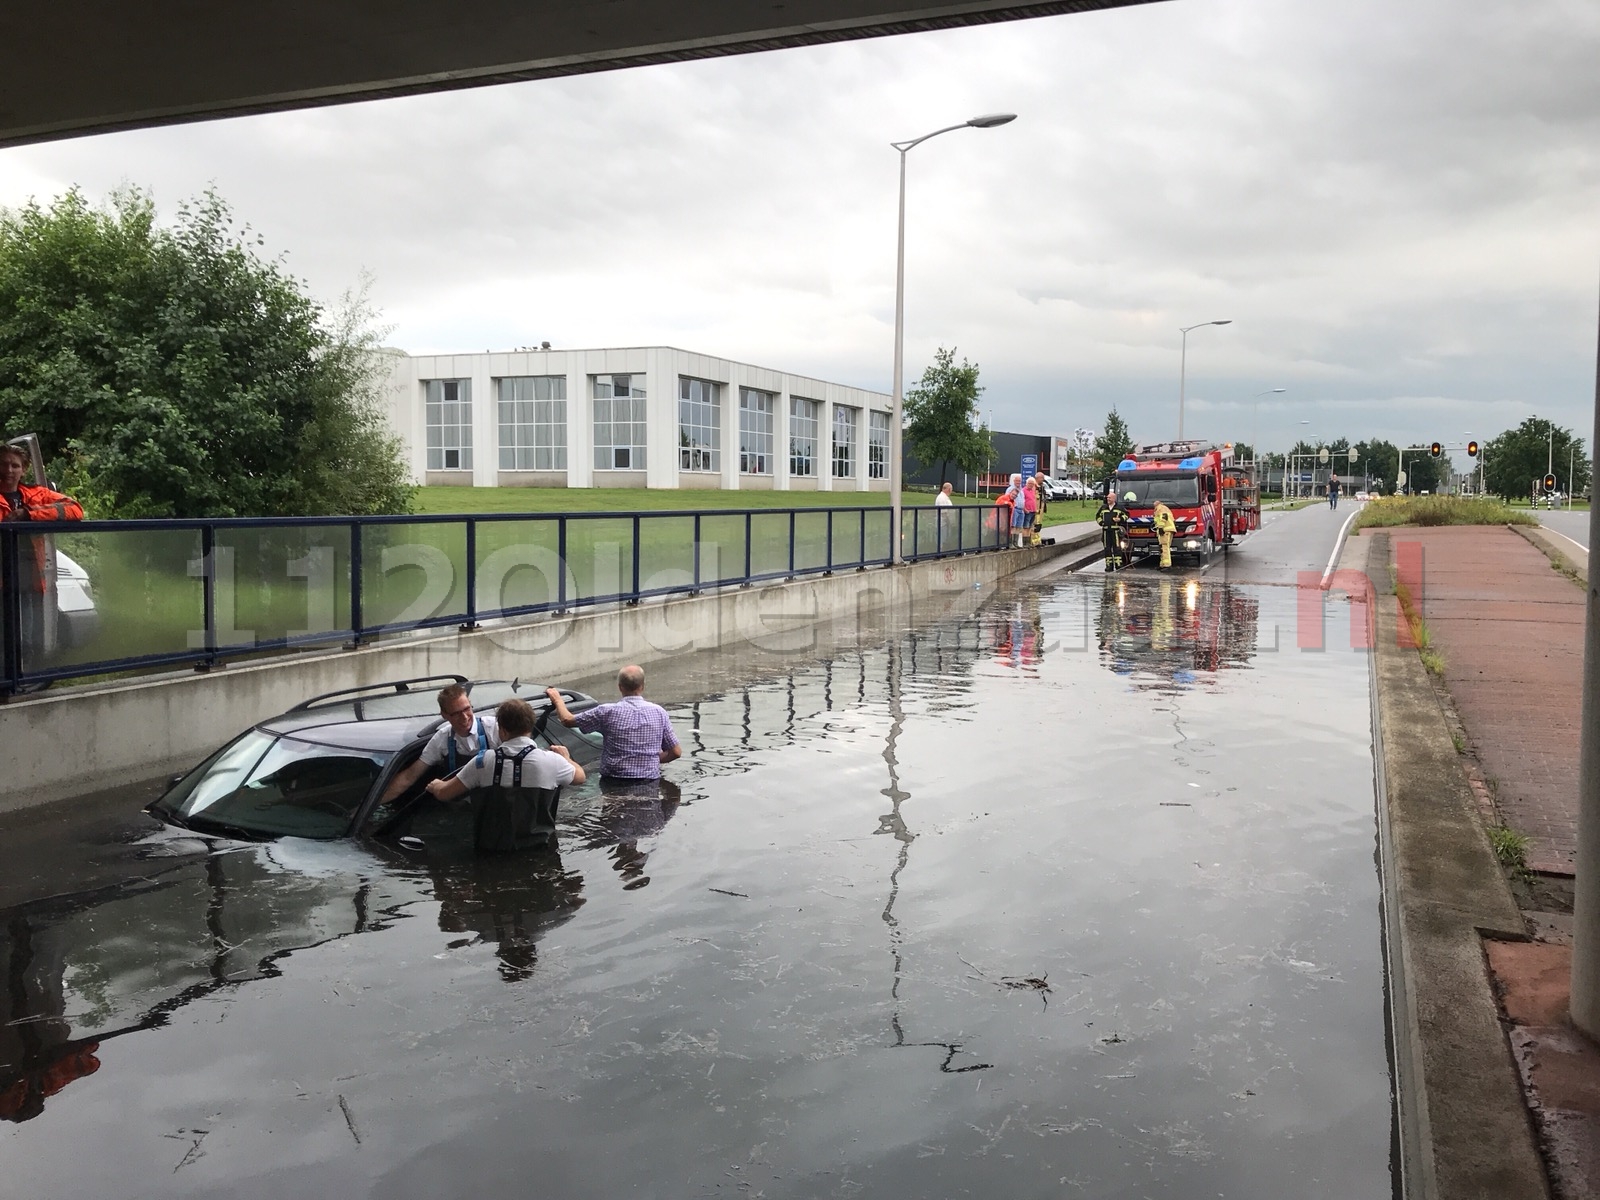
(1071, 896)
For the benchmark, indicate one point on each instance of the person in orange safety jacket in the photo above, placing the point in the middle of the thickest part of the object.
(29, 502)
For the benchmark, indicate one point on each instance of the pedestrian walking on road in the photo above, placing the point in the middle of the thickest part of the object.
(638, 734)
(1333, 491)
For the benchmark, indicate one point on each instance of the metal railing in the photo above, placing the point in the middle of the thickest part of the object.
(97, 597)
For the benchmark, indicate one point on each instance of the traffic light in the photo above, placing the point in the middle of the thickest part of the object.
(1436, 449)
(1472, 449)
(1549, 483)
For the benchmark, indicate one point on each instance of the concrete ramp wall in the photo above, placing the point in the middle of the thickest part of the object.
(71, 741)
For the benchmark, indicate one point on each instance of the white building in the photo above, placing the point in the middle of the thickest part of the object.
(645, 416)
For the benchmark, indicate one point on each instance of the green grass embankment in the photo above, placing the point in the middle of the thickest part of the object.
(1440, 510)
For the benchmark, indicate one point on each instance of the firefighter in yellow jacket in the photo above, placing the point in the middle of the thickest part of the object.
(1165, 528)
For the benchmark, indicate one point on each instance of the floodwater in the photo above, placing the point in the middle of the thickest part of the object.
(1070, 895)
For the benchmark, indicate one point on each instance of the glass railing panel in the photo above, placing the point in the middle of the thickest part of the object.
(769, 543)
(846, 539)
(281, 582)
(413, 572)
(811, 540)
(115, 595)
(519, 564)
(666, 552)
(877, 523)
(721, 548)
(600, 556)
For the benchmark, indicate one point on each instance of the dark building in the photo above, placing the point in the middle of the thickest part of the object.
(1009, 449)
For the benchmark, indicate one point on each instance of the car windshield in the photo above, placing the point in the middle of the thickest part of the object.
(1142, 491)
(263, 785)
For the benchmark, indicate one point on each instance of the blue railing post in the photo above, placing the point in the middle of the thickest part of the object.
(748, 523)
(561, 564)
(938, 533)
(830, 542)
(356, 617)
(635, 599)
(11, 595)
(791, 541)
(861, 557)
(472, 576)
(208, 593)
(916, 533)
(697, 552)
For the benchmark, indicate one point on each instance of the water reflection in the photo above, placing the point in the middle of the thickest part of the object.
(1016, 630)
(1171, 634)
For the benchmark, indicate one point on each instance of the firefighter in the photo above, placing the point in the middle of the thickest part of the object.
(1165, 528)
(1113, 523)
(30, 502)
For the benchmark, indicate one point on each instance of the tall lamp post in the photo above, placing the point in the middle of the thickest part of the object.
(988, 121)
(1183, 365)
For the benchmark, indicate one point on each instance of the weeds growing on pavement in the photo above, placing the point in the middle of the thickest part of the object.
(1460, 742)
(1420, 633)
(1440, 510)
(1510, 847)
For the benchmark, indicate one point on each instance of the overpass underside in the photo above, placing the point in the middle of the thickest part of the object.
(94, 66)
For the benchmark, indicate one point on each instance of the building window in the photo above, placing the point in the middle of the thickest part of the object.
(533, 423)
(755, 431)
(699, 425)
(803, 434)
(448, 410)
(878, 445)
(619, 422)
(844, 441)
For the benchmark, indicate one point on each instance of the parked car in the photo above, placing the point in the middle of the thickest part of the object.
(320, 769)
(78, 621)
(1057, 489)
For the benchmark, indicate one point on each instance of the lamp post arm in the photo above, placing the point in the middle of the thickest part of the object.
(904, 146)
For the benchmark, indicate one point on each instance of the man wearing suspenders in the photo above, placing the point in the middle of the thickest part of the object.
(515, 791)
(464, 736)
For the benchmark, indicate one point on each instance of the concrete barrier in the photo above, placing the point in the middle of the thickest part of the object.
(76, 740)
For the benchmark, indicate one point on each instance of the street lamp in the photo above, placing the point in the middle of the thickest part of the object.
(988, 121)
(1183, 365)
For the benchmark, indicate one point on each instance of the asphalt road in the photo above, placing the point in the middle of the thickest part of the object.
(1573, 524)
(1287, 544)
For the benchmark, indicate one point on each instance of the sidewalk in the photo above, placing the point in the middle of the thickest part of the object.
(1509, 626)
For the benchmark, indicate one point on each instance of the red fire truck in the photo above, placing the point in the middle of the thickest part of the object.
(1214, 500)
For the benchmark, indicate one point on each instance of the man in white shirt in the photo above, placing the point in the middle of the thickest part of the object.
(464, 735)
(552, 768)
(942, 500)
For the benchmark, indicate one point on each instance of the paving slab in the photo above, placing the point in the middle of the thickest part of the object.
(1510, 630)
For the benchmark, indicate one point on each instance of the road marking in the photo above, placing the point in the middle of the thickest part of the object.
(1338, 545)
(1559, 534)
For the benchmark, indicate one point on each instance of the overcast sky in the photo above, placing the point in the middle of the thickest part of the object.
(1397, 204)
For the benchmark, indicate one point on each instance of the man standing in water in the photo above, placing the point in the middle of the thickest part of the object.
(638, 734)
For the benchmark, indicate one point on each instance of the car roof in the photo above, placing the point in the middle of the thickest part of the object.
(392, 719)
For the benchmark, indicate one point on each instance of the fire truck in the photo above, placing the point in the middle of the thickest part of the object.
(1214, 500)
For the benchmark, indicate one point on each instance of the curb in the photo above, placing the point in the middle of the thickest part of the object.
(1556, 548)
(1465, 1130)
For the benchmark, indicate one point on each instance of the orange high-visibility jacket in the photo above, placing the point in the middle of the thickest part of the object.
(39, 504)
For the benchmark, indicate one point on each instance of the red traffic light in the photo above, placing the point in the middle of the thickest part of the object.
(1472, 449)
(1549, 483)
(1436, 449)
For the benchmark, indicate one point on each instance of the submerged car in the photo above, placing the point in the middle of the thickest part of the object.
(320, 770)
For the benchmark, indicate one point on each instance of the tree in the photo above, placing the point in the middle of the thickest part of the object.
(942, 424)
(1113, 444)
(1512, 461)
(171, 371)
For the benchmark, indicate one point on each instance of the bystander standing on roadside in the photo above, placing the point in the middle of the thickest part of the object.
(1005, 510)
(31, 502)
(942, 500)
(638, 734)
(1029, 510)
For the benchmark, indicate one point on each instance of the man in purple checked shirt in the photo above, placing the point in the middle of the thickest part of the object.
(638, 735)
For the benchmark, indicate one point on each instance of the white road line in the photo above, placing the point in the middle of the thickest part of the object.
(1559, 534)
(1338, 545)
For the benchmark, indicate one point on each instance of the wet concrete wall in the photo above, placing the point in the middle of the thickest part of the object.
(75, 740)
